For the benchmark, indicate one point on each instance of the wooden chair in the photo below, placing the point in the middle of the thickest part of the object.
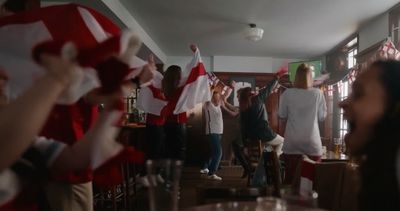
(254, 154)
(328, 183)
(351, 185)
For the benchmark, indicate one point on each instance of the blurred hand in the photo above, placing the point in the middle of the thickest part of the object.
(146, 76)
(63, 70)
(193, 47)
(232, 84)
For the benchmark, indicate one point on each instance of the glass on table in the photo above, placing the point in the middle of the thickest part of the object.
(164, 177)
(337, 143)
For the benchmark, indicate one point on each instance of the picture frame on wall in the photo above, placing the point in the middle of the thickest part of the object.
(241, 82)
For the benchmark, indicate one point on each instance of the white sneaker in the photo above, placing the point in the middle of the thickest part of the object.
(204, 171)
(215, 177)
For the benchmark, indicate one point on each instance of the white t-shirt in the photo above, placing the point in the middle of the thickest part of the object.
(303, 109)
(214, 122)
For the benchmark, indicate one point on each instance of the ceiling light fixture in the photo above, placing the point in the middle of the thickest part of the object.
(253, 33)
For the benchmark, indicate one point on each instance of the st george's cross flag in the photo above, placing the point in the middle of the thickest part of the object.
(95, 36)
(193, 88)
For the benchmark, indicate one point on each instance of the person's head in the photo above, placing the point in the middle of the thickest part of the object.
(9, 7)
(303, 79)
(375, 99)
(170, 82)
(245, 95)
(216, 98)
(373, 111)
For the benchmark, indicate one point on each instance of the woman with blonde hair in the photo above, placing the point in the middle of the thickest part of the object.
(301, 107)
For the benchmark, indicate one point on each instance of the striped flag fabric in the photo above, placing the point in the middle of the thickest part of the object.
(194, 88)
(93, 34)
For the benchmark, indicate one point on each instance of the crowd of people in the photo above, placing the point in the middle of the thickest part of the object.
(56, 147)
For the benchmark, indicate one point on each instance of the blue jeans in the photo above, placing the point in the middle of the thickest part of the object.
(216, 153)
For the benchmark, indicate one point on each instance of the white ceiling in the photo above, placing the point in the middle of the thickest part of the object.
(293, 28)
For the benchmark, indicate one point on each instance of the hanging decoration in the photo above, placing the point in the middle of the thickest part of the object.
(385, 52)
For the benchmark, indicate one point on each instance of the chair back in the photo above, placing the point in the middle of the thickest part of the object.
(328, 183)
(254, 151)
(351, 185)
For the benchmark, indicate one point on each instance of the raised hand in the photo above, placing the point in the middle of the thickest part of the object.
(193, 47)
(282, 71)
(62, 69)
(146, 76)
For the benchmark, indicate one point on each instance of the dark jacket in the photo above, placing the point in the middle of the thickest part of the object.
(254, 120)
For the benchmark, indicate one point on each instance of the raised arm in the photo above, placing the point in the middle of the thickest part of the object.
(265, 91)
(230, 109)
(23, 118)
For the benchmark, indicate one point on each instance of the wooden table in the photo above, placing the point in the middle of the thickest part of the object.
(243, 206)
(333, 157)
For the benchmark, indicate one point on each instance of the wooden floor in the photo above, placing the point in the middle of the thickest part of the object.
(191, 180)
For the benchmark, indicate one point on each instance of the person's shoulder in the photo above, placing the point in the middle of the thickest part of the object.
(315, 90)
(290, 91)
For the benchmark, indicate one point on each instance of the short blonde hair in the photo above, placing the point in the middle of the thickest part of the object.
(303, 79)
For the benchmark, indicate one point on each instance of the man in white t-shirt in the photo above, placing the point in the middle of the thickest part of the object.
(214, 131)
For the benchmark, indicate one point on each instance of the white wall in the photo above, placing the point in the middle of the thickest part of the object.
(182, 61)
(234, 63)
(248, 64)
(374, 31)
(125, 16)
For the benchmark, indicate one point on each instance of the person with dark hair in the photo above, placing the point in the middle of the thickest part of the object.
(175, 124)
(302, 107)
(373, 113)
(254, 121)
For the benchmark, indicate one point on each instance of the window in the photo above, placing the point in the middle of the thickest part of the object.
(344, 86)
(351, 58)
(343, 94)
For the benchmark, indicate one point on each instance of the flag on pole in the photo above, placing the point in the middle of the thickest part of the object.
(193, 88)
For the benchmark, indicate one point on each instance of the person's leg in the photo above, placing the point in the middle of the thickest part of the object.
(216, 153)
(155, 144)
(175, 140)
(66, 197)
(207, 162)
(291, 164)
(238, 151)
(277, 143)
(83, 196)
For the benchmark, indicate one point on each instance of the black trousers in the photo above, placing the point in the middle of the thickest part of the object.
(155, 147)
(238, 151)
(175, 141)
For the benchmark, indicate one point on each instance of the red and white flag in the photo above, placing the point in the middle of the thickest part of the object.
(194, 88)
(90, 31)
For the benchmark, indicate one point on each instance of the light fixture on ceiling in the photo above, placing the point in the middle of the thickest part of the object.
(253, 33)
